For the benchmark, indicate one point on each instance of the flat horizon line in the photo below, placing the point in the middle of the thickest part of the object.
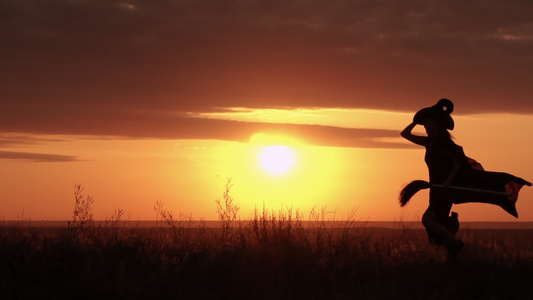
(216, 223)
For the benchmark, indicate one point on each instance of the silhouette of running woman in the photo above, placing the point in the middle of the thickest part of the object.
(444, 160)
(449, 167)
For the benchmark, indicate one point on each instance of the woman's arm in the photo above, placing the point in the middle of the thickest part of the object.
(406, 133)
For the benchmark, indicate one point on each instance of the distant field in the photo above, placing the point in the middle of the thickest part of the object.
(264, 258)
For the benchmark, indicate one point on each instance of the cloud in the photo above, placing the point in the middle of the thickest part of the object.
(10, 139)
(37, 157)
(100, 63)
(170, 126)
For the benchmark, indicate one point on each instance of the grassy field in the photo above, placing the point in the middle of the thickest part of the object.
(272, 256)
(267, 258)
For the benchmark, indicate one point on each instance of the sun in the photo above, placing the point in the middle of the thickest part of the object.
(276, 159)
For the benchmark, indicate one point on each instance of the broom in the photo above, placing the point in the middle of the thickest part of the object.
(416, 185)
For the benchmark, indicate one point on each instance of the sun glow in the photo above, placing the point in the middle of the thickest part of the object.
(276, 159)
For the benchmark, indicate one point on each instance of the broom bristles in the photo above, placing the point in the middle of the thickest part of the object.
(411, 189)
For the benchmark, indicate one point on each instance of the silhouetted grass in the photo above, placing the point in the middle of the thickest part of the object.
(275, 255)
(272, 256)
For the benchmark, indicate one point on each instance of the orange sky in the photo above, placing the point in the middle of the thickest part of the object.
(188, 175)
(141, 101)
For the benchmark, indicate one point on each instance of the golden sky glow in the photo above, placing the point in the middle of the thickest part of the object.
(189, 174)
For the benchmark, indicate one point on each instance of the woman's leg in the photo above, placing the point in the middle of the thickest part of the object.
(433, 227)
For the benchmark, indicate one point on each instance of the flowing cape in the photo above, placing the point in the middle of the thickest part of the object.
(478, 178)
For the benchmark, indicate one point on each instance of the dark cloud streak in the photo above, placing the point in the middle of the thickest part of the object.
(165, 126)
(37, 157)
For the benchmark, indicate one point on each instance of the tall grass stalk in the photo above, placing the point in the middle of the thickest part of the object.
(179, 224)
(114, 220)
(82, 216)
(227, 211)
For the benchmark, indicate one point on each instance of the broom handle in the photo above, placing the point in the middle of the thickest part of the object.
(462, 188)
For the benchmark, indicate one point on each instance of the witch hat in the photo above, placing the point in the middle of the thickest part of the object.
(439, 112)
